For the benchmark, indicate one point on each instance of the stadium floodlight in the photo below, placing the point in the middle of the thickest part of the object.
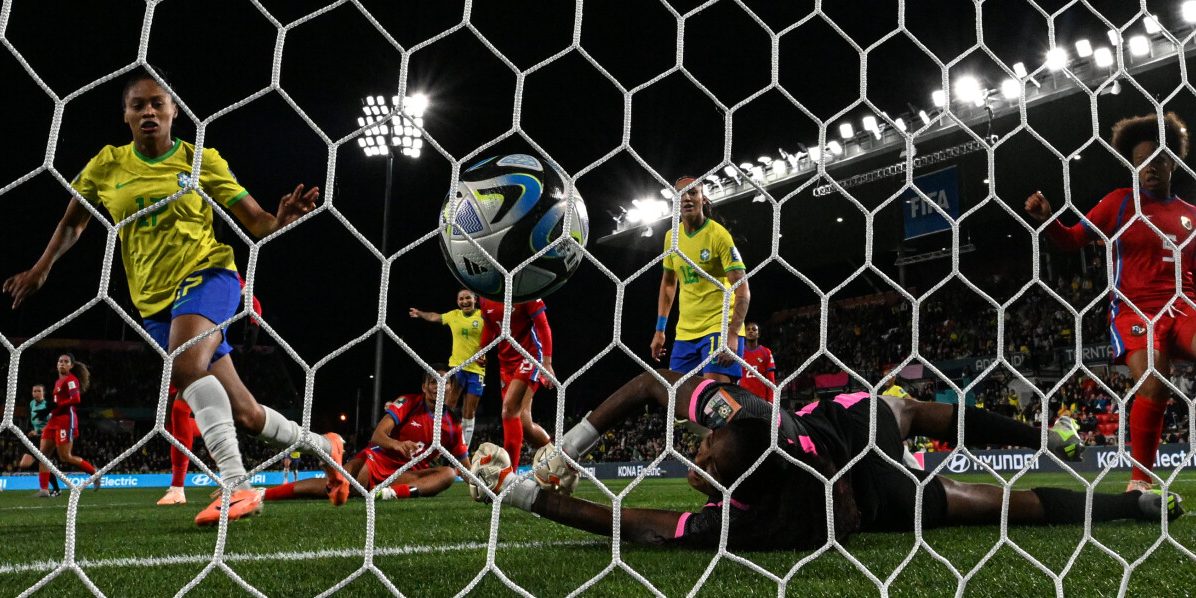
(836, 148)
(1103, 57)
(1115, 37)
(765, 160)
(758, 174)
(667, 193)
(734, 174)
(780, 168)
(1083, 48)
(1056, 59)
(938, 98)
(1139, 45)
(1187, 11)
(900, 124)
(1019, 69)
(967, 90)
(815, 154)
(839, 219)
(846, 131)
(1151, 22)
(925, 117)
(1011, 89)
(714, 180)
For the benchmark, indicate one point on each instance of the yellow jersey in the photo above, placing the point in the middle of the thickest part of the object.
(700, 303)
(165, 245)
(467, 336)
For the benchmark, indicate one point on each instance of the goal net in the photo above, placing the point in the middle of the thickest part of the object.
(870, 159)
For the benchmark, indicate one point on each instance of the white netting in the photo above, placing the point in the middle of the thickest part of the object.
(743, 179)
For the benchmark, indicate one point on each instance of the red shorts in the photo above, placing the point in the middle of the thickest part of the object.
(382, 465)
(62, 428)
(1174, 329)
(519, 370)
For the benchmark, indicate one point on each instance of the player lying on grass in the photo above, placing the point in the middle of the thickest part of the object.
(403, 432)
(780, 506)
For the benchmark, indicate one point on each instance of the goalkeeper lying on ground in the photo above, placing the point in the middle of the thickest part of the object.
(780, 505)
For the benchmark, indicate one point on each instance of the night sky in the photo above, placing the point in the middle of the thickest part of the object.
(320, 285)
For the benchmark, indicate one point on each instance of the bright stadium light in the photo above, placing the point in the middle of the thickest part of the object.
(1187, 11)
(939, 98)
(1151, 22)
(900, 124)
(925, 117)
(667, 193)
(1103, 57)
(846, 131)
(836, 148)
(1056, 59)
(815, 154)
(967, 89)
(1139, 45)
(1115, 37)
(734, 174)
(1011, 89)
(765, 160)
(1019, 69)
(1083, 48)
(870, 125)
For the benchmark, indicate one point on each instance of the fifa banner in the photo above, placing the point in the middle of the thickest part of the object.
(1096, 458)
(148, 480)
(942, 187)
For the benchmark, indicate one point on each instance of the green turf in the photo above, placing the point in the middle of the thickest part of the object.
(432, 551)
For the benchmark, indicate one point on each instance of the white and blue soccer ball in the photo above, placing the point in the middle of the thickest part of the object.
(512, 206)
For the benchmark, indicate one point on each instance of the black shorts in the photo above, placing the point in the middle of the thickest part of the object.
(885, 493)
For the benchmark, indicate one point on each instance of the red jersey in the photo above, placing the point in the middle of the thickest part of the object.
(66, 394)
(759, 358)
(413, 419)
(529, 328)
(1143, 266)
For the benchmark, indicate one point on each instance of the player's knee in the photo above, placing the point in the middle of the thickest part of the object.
(1153, 388)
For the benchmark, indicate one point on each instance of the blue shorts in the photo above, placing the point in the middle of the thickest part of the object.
(688, 355)
(470, 381)
(214, 293)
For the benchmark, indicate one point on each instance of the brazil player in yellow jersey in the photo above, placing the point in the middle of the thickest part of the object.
(182, 280)
(466, 324)
(700, 312)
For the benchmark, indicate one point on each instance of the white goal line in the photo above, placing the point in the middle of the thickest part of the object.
(307, 555)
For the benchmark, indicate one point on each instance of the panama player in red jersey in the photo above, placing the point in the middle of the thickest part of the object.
(759, 357)
(521, 378)
(63, 427)
(1144, 270)
(404, 431)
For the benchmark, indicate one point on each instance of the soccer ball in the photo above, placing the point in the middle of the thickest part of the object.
(487, 464)
(512, 206)
(552, 471)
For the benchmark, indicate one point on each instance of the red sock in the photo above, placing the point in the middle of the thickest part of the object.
(43, 479)
(89, 469)
(279, 492)
(1146, 430)
(512, 438)
(182, 427)
(401, 490)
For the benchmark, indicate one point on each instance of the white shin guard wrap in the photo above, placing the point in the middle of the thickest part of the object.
(580, 439)
(466, 431)
(282, 432)
(214, 418)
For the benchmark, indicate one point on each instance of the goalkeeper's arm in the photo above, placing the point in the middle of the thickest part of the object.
(643, 526)
(627, 402)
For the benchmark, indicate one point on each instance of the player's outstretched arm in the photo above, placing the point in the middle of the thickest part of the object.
(292, 205)
(1069, 238)
(429, 316)
(626, 402)
(643, 526)
(68, 231)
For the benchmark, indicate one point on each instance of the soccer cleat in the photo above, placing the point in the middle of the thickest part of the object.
(42, 494)
(1150, 503)
(173, 496)
(1064, 440)
(1142, 486)
(338, 486)
(242, 503)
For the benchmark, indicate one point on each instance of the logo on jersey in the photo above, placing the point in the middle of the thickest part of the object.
(735, 255)
(1186, 222)
(476, 323)
(71, 385)
(1137, 330)
(184, 180)
(704, 255)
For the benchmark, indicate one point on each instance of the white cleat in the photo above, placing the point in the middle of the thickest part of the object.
(174, 496)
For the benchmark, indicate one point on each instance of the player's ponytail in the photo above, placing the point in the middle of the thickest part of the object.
(80, 371)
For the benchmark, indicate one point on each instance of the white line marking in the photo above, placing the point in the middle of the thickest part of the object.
(81, 505)
(328, 553)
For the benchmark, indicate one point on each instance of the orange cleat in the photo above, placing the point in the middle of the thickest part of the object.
(338, 486)
(242, 503)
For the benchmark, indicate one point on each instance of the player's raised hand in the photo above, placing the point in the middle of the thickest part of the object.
(413, 312)
(22, 285)
(1038, 207)
(657, 349)
(296, 204)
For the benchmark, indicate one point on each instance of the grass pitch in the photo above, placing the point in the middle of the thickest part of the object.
(435, 547)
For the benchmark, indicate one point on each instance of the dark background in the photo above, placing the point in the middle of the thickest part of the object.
(320, 285)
